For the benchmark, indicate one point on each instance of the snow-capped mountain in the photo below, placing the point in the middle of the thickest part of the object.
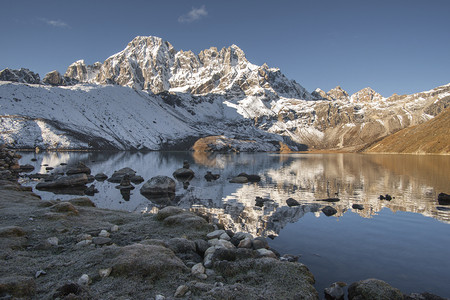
(150, 63)
(150, 96)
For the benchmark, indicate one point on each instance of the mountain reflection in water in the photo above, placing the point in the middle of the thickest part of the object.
(413, 180)
(389, 240)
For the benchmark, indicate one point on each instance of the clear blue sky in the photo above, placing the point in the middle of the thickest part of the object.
(392, 46)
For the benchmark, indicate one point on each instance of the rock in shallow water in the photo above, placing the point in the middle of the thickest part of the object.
(373, 289)
(329, 211)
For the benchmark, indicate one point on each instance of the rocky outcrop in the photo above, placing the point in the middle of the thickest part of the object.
(82, 72)
(338, 94)
(366, 95)
(22, 75)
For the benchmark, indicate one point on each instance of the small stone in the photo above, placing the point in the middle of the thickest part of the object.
(84, 280)
(101, 241)
(114, 228)
(334, 292)
(104, 233)
(215, 234)
(289, 258)
(221, 244)
(265, 253)
(83, 243)
(160, 297)
(202, 276)
(198, 269)
(181, 291)
(104, 272)
(225, 237)
(259, 243)
(83, 237)
(245, 243)
(39, 273)
(53, 241)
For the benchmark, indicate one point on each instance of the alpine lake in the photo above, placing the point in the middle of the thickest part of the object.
(404, 241)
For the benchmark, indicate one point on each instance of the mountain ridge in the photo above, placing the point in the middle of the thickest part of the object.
(215, 93)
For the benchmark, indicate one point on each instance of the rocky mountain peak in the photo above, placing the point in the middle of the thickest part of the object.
(319, 94)
(150, 63)
(366, 95)
(22, 75)
(338, 94)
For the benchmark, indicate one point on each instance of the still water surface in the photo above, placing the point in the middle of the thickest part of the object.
(404, 241)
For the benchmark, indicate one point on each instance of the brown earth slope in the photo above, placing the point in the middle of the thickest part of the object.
(429, 137)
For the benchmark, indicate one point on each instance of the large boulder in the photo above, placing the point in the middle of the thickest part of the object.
(159, 185)
(373, 289)
(63, 182)
(79, 169)
(118, 175)
(183, 174)
(149, 261)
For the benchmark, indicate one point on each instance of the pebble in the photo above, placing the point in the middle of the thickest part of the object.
(181, 291)
(114, 228)
(160, 297)
(53, 241)
(101, 240)
(104, 233)
(84, 280)
(104, 272)
(198, 269)
(39, 273)
(83, 243)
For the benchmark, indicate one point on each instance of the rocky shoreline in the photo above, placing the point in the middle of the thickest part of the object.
(73, 250)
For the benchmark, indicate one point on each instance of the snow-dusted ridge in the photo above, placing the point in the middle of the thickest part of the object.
(150, 96)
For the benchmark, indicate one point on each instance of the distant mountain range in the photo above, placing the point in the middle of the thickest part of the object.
(151, 96)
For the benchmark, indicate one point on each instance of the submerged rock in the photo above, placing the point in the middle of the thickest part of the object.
(335, 291)
(210, 176)
(239, 179)
(251, 177)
